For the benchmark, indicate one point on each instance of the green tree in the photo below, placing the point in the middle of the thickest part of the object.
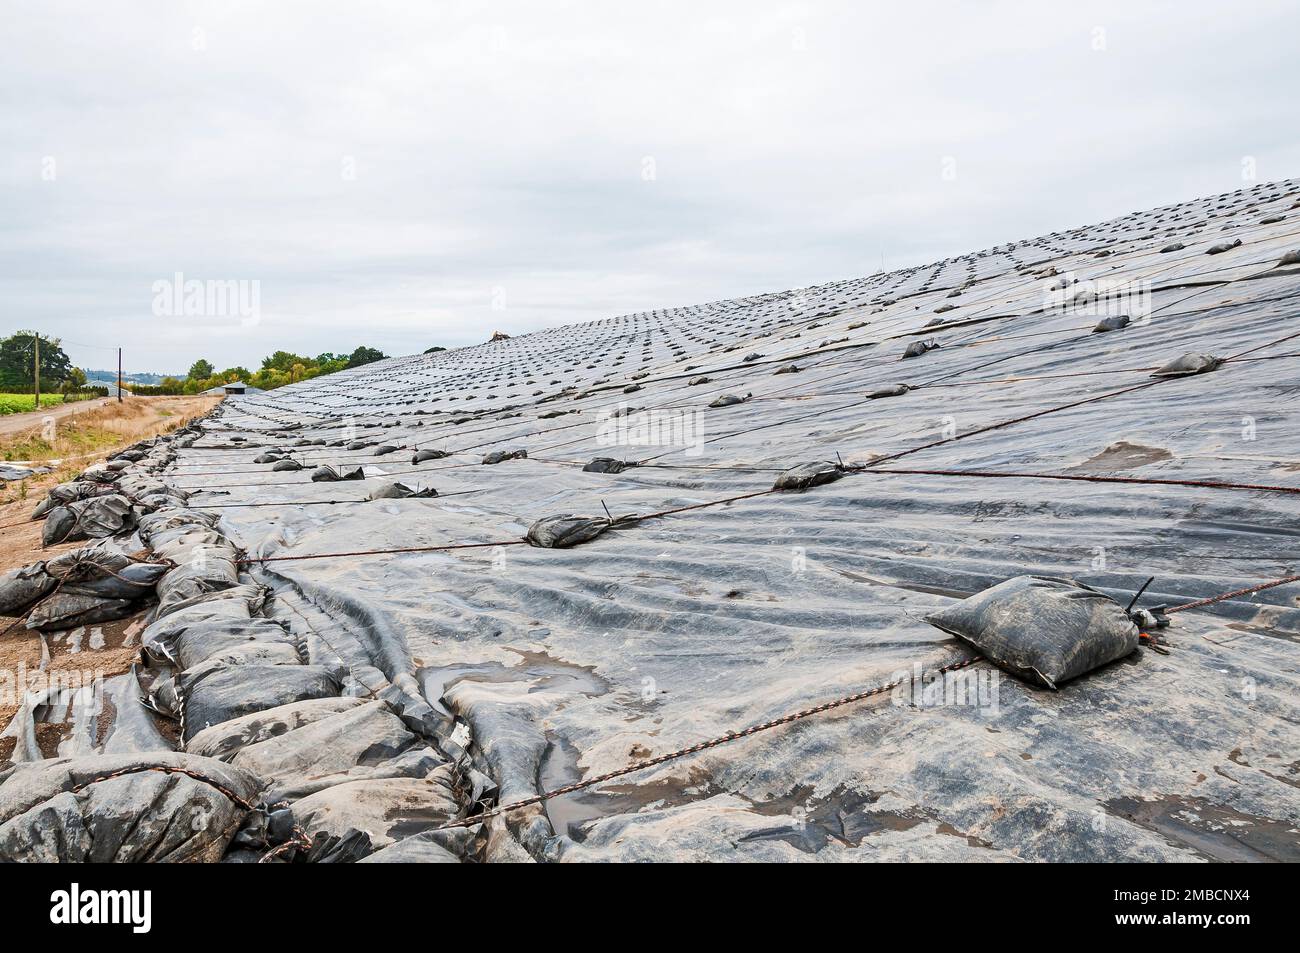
(284, 361)
(365, 355)
(200, 370)
(17, 363)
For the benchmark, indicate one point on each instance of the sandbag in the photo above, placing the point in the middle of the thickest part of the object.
(1189, 364)
(19, 588)
(417, 849)
(560, 532)
(500, 456)
(103, 570)
(728, 400)
(210, 696)
(94, 584)
(160, 696)
(327, 751)
(97, 517)
(894, 390)
(64, 610)
(286, 466)
(1114, 323)
(387, 809)
(73, 811)
(917, 348)
(205, 640)
(208, 568)
(421, 455)
(70, 492)
(608, 465)
(139, 486)
(170, 530)
(327, 474)
(1042, 629)
(98, 474)
(806, 475)
(1220, 248)
(223, 741)
(235, 604)
(402, 491)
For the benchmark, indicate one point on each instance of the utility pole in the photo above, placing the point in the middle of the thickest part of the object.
(119, 375)
(36, 372)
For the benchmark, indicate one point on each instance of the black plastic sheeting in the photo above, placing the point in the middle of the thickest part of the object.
(517, 668)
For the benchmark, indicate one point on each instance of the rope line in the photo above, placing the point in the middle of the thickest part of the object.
(1225, 596)
(789, 718)
(697, 748)
(1089, 478)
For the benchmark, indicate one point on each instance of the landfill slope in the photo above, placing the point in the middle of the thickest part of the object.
(561, 664)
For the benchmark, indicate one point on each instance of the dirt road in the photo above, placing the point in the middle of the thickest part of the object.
(11, 424)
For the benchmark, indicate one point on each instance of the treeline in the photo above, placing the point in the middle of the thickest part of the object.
(18, 363)
(280, 368)
(18, 360)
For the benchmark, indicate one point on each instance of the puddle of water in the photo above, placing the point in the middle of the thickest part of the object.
(547, 675)
(569, 812)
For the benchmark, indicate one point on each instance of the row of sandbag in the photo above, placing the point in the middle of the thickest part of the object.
(105, 500)
(358, 770)
(352, 772)
(260, 727)
(246, 693)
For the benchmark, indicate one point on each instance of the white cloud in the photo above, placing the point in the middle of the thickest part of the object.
(503, 146)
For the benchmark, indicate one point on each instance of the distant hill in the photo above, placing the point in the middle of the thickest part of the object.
(132, 377)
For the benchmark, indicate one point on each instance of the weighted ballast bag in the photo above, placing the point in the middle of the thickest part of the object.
(212, 695)
(119, 809)
(1042, 629)
(96, 517)
(807, 475)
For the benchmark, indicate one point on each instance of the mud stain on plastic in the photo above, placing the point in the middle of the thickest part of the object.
(809, 824)
(1123, 455)
(1219, 833)
(1268, 633)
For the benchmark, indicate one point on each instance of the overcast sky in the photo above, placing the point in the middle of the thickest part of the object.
(405, 175)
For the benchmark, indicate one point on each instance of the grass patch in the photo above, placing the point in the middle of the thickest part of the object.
(73, 439)
(101, 430)
(22, 403)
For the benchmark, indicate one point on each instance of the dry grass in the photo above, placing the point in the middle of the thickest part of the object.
(102, 430)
